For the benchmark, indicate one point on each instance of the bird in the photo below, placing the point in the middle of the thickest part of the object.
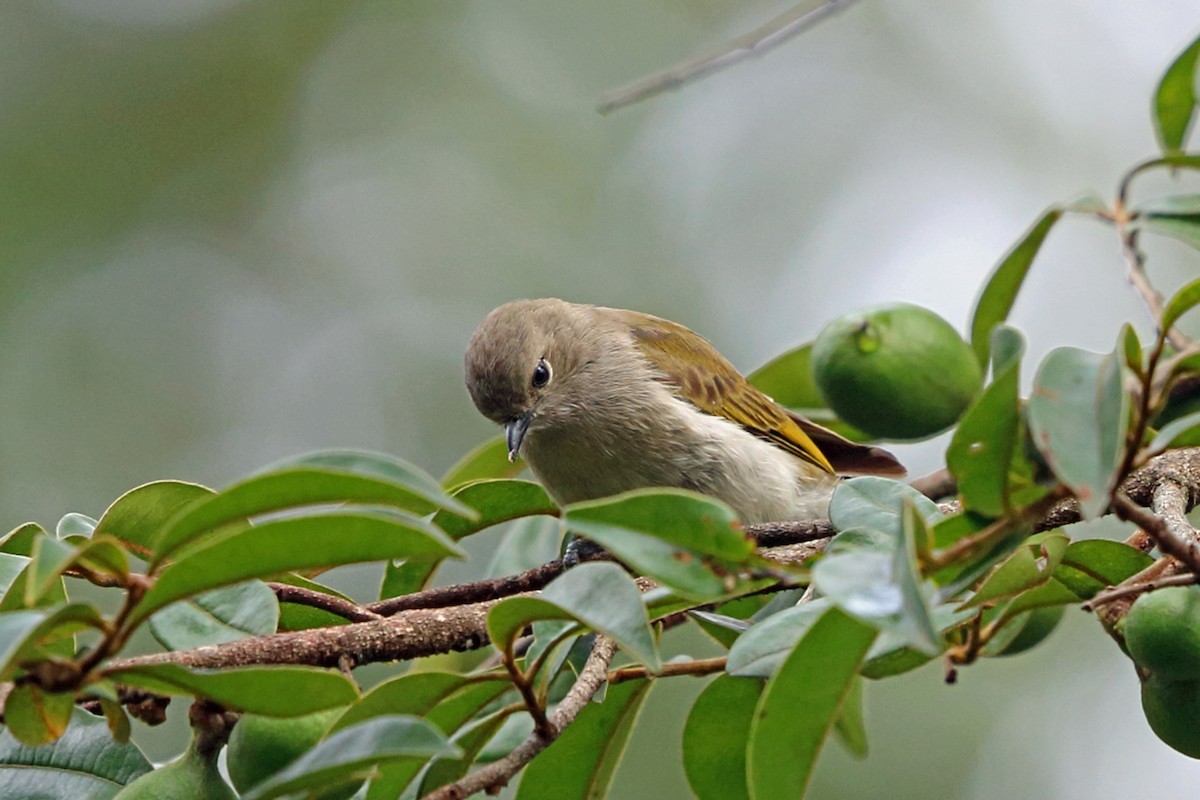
(600, 401)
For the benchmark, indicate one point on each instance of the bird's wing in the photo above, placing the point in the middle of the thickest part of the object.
(702, 376)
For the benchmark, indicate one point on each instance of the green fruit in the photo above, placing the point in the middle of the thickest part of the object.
(1173, 710)
(261, 746)
(192, 776)
(897, 371)
(1162, 632)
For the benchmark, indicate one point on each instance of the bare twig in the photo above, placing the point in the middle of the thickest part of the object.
(498, 773)
(787, 25)
(1131, 589)
(1167, 523)
(286, 593)
(936, 485)
(699, 666)
(477, 592)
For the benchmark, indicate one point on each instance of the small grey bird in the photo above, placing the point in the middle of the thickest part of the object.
(603, 400)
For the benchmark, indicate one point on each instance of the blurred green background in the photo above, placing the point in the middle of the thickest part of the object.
(235, 230)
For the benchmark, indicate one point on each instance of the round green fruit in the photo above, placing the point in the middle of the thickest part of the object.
(1162, 632)
(1173, 710)
(897, 371)
(192, 776)
(259, 747)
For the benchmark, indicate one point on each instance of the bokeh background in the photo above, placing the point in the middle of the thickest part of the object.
(235, 230)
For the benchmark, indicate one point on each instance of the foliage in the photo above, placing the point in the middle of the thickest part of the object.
(225, 581)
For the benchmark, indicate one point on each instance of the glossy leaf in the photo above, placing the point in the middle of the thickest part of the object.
(1000, 292)
(487, 461)
(1183, 229)
(19, 541)
(102, 555)
(347, 754)
(139, 516)
(1078, 414)
(11, 568)
(815, 677)
(37, 717)
(23, 634)
(716, 736)
(599, 595)
(273, 691)
(1182, 432)
(850, 726)
(580, 763)
(915, 614)
(222, 615)
(1030, 565)
(494, 502)
(84, 763)
(325, 478)
(444, 701)
(871, 502)
(760, 651)
(74, 524)
(296, 543)
(788, 379)
(666, 534)
(1131, 347)
(1180, 303)
(989, 434)
(1092, 565)
(471, 741)
(1050, 593)
(1175, 100)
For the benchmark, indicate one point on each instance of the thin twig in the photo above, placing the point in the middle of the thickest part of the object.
(1127, 590)
(1167, 522)
(699, 666)
(498, 773)
(480, 591)
(787, 25)
(299, 595)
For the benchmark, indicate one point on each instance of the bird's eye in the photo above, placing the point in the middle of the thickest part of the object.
(541, 374)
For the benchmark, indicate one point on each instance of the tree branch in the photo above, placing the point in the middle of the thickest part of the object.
(787, 25)
(498, 773)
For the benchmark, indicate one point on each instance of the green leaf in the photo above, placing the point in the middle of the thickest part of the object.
(319, 479)
(23, 634)
(273, 691)
(599, 595)
(84, 763)
(668, 535)
(1000, 292)
(987, 439)
(1030, 565)
(351, 752)
(102, 555)
(1078, 414)
(1092, 565)
(416, 693)
(1183, 301)
(871, 502)
(850, 726)
(715, 738)
(75, 524)
(471, 740)
(446, 700)
(760, 651)
(1051, 593)
(580, 763)
(1175, 205)
(11, 568)
(788, 379)
(19, 541)
(815, 677)
(1175, 100)
(915, 613)
(222, 615)
(488, 460)
(139, 516)
(297, 543)
(494, 502)
(35, 716)
(1132, 348)
(1183, 229)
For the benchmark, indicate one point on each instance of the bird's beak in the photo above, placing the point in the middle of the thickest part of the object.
(514, 432)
